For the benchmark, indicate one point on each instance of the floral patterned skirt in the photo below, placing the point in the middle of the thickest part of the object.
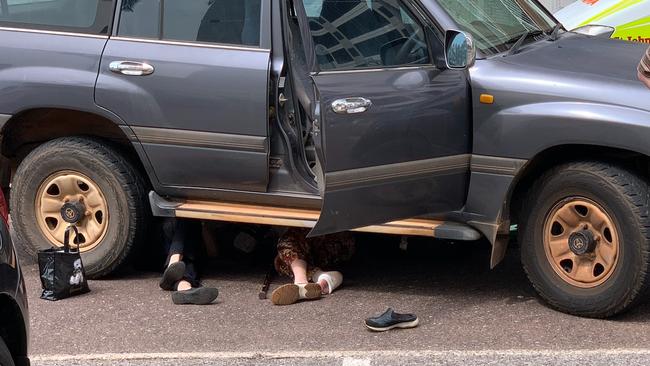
(319, 252)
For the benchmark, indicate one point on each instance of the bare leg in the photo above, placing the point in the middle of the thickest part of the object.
(183, 286)
(175, 258)
(299, 269)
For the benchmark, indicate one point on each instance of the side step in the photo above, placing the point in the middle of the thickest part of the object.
(280, 216)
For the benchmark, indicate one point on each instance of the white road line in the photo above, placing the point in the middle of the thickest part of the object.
(349, 361)
(341, 354)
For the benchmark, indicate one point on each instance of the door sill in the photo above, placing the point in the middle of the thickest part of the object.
(305, 218)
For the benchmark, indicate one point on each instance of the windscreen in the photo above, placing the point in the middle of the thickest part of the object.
(496, 24)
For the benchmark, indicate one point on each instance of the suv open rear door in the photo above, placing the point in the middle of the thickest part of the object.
(392, 130)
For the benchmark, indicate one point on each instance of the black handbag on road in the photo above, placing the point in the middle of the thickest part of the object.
(62, 272)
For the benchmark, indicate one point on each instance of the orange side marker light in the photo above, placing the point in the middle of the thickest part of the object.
(487, 99)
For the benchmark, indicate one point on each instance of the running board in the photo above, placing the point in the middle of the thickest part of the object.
(280, 216)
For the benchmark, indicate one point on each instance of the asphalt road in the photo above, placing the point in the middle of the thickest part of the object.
(469, 315)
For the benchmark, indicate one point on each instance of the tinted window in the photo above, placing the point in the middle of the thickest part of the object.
(212, 21)
(365, 33)
(87, 16)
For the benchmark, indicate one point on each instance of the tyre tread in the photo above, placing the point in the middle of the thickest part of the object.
(131, 182)
(637, 193)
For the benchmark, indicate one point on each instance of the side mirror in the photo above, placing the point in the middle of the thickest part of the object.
(460, 52)
(595, 30)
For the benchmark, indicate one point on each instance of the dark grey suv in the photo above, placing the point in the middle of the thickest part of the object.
(440, 118)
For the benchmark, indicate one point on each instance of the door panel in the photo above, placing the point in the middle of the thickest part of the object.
(416, 114)
(195, 89)
(408, 155)
(405, 151)
(200, 109)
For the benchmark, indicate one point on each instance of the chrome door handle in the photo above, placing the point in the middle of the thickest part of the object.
(131, 68)
(351, 105)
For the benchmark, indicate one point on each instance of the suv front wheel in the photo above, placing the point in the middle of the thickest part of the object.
(585, 243)
(84, 182)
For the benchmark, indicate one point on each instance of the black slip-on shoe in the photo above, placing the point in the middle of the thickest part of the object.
(173, 273)
(195, 296)
(390, 319)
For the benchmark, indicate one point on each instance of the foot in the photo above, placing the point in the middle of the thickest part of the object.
(173, 273)
(328, 281)
(195, 296)
(324, 287)
(292, 293)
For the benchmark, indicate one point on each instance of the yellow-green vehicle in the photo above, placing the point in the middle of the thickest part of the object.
(629, 18)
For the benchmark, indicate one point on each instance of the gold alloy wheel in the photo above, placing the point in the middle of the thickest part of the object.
(581, 242)
(81, 196)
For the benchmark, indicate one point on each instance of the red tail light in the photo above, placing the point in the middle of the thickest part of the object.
(4, 209)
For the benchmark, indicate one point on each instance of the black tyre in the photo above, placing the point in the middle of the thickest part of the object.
(584, 243)
(5, 355)
(101, 192)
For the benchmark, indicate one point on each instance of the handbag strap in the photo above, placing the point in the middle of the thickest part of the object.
(66, 238)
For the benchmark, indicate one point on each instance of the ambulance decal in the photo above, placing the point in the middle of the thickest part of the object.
(630, 18)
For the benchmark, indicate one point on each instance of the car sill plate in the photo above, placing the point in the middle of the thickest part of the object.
(266, 215)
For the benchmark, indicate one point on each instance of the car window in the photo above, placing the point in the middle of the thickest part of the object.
(496, 24)
(87, 16)
(350, 34)
(234, 22)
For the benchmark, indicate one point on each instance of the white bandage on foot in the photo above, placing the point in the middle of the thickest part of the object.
(334, 279)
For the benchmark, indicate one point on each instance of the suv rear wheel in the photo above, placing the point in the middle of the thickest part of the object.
(84, 182)
(585, 243)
